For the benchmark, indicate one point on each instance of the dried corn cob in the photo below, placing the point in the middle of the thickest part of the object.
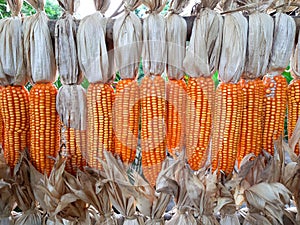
(201, 93)
(175, 106)
(15, 115)
(100, 100)
(1, 121)
(44, 126)
(126, 119)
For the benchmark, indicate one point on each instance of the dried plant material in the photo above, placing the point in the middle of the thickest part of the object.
(154, 52)
(66, 44)
(93, 57)
(127, 37)
(295, 139)
(203, 53)
(283, 43)
(296, 59)
(38, 49)
(233, 56)
(71, 106)
(12, 67)
(176, 40)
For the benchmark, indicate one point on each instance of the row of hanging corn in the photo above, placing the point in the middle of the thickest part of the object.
(244, 114)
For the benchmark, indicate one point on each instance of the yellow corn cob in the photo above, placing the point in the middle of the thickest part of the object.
(15, 115)
(201, 93)
(153, 117)
(274, 110)
(100, 99)
(1, 121)
(293, 108)
(252, 118)
(75, 146)
(126, 119)
(44, 126)
(176, 100)
(227, 118)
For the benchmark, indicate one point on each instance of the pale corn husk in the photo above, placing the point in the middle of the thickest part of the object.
(203, 53)
(154, 52)
(176, 40)
(71, 106)
(12, 67)
(66, 44)
(38, 49)
(296, 59)
(93, 57)
(128, 38)
(23, 194)
(232, 58)
(283, 43)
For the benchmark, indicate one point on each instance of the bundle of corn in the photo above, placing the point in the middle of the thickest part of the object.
(127, 38)
(14, 102)
(71, 98)
(294, 95)
(176, 87)
(229, 96)
(95, 63)
(260, 38)
(44, 120)
(152, 91)
(275, 84)
(201, 63)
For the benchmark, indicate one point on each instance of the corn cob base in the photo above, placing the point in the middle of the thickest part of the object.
(153, 117)
(201, 93)
(252, 118)
(274, 110)
(176, 100)
(126, 119)
(44, 126)
(100, 100)
(227, 119)
(293, 108)
(15, 115)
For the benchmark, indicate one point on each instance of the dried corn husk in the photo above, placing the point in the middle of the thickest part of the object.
(38, 49)
(71, 106)
(203, 53)
(176, 39)
(12, 67)
(233, 55)
(92, 50)
(283, 43)
(128, 39)
(296, 59)
(66, 44)
(154, 32)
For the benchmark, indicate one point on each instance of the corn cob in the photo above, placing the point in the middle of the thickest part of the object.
(15, 115)
(252, 121)
(274, 110)
(153, 117)
(100, 99)
(1, 120)
(126, 119)
(44, 126)
(175, 106)
(199, 120)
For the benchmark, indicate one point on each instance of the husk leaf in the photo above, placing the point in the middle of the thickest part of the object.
(296, 59)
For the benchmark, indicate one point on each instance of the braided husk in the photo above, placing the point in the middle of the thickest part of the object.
(127, 37)
(12, 67)
(176, 40)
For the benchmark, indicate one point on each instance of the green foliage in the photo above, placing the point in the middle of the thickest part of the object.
(287, 75)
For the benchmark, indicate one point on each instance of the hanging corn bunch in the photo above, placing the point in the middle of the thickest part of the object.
(14, 101)
(152, 91)
(71, 98)
(260, 37)
(94, 61)
(294, 95)
(128, 45)
(176, 87)
(275, 84)
(44, 120)
(201, 63)
(229, 96)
